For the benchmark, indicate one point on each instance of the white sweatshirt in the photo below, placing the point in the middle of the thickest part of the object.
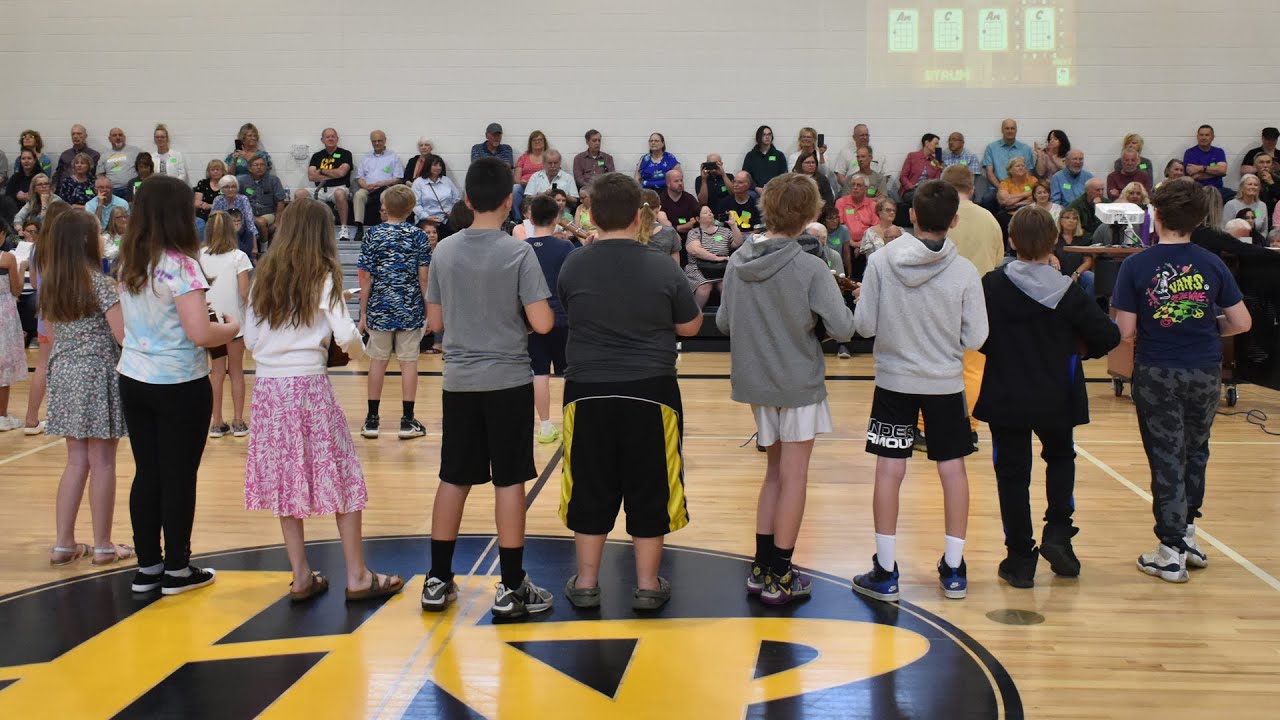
(303, 350)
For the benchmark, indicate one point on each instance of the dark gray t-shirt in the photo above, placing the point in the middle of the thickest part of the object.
(624, 300)
(666, 240)
(483, 279)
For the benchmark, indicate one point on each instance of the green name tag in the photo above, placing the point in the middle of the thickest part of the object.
(1026, 188)
(337, 155)
(724, 189)
(600, 163)
(1066, 186)
(964, 163)
(849, 211)
(683, 221)
(871, 192)
(1143, 166)
(773, 158)
(387, 169)
(173, 160)
(248, 191)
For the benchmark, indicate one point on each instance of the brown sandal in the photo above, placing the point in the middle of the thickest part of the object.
(319, 584)
(379, 586)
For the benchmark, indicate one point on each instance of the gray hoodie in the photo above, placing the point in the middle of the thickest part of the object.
(925, 308)
(772, 297)
(1039, 282)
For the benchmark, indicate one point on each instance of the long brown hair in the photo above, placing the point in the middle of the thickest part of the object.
(220, 233)
(649, 207)
(70, 255)
(162, 219)
(289, 279)
(55, 211)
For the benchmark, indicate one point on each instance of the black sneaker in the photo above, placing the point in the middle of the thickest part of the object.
(954, 581)
(521, 601)
(410, 428)
(438, 594)
(1055, 546)
(145, 583)
(198, 578)
(917, 441)
(973, 437)
(1019, 570)
(370, 429)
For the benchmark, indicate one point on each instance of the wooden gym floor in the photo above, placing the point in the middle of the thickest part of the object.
(1113, 644)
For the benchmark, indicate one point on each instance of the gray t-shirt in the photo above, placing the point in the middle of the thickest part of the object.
(483, 279)
(666, 240)
(624, 300)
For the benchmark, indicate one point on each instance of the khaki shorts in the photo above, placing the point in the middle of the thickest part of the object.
(326, 194)
(405, 343)
(269, 218)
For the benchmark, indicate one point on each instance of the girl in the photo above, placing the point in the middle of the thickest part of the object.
(227, 268)
(301, 459)
(117, 225)
(81, 307)
(13, 359)
(164, 380)
(33, 425)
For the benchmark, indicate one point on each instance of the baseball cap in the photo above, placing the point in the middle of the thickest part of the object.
(494, 128)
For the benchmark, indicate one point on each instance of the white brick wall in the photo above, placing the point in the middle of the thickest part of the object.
(705, 74)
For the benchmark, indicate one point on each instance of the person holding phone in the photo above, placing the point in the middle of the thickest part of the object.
(712, 184)
(551, 177)
(247, 149)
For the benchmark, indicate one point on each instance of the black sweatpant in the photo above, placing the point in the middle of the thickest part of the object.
(168, 426)
(1011, 452)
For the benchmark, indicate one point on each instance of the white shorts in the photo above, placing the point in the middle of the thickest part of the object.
(326, 194)
(791, 424)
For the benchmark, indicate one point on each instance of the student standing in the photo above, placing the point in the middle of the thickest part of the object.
(919, 369)
(1042, 324)
(301, 459)
(164, 380)
(1177, 299)
(484, 288)
(13, 356)
(547, 352)
(774, 295)
(227, 268)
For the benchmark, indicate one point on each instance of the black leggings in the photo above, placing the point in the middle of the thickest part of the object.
(168, 426)
(1011, 451)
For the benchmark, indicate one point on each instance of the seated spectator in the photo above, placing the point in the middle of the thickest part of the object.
(818, 231)
(592, 162)
(31, 140)
(246, 232)
(957, 154)
(330, 171)
(248, 148)
(1268, 147)
(847, 159)
(231, 201)
(880, 234)
(567, 229)
(76, 187)
(1042, 198)
(655, 228)
(117, 163)
(742, 204)
(1205, 163)
(1086, 205)
(1068, 183)
(838, 238)
(79, 139)
(1249, 198)
(807, 141)
(266, 196)
(1076, 265)
(651, 170)
(877, 183)
(551, 176)
(104, 200)
(143, 168)
(709, 246)
(436, 195)
(920, 165)
(208, 188)
(681, 207)
(857, 211)
(995, 160)
(1173, 170)
(530, 162)
(1015, 190)
(807, 164)
(1273, 238)
(1136, 233)
(1052, 156)
(493, 146)
(1134, 142)
(1240, 229)
(38, 200)
(1249, 216)
(18, 190)
(583, 217)
(169, 162)
(764, 161)
(1269, 181)
(117, 224)
(1128, 173)
(712, 184)
(379, 170)
(417, 167)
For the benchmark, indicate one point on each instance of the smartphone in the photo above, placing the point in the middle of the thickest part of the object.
(239, 144)
(555, 186)
(822, 139)
(710, 166)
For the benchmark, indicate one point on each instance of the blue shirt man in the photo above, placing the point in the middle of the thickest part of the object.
(1068, 183)
(996, 159)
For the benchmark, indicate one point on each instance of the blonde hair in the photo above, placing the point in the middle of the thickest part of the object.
(303, 256)
(220, 233)
(1146, 199)
(1132, 138)
(649, 206)
(398, 201)
(247, 128)
(213, 162)
(789, 203)
(1079, 225)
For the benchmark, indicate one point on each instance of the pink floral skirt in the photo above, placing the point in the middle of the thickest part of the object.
(301, 459)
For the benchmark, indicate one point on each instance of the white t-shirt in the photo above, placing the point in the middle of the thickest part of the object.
(223, 272)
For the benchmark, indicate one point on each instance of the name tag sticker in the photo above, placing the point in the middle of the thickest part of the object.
(1142, 166)
(871, 192)
(600, 163)
(773, 158)
(88, 192)
(248, 191)
(964, 163)
(724, 189)
(1026, 188)
(849, 211)
(387, 169)
(173, 160)
(683, 221)
(1066, 186)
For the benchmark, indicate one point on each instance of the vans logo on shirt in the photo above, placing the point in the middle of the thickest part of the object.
(1178, 294)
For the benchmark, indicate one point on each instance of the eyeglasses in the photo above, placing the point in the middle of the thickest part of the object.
(42, 184)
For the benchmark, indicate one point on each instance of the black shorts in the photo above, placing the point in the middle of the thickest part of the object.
(484, 431)
(547, 350)
(893, 418)
(622, 449)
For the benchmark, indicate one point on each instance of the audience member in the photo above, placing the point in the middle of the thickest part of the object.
(1076, 265)
(79, 139)
(1085, 205)
(742, 203)
(652, 168)
(957, 154)
(117, 164)
(76, 186)
(1268, 147)
(1268, 180)
(417, 167)
(18, 190)
(709, 246)
(169, 162)
(712, 184)
(117, 226)
(436, 195)
(246, 150)
(877, 182)
(1015, 190)
(1240, 229)
(143, 167)
(551, 176)
(1249, 198)
(1134, 141)
(1173, 170)
(857, 211)
(807, 141)
(31, 140)
(547, 352)
(208, 188)
(1128, 172)
(884, 231)
(763, 160)
(1205, 163)
(330, 170)
(493, 146)
(847, 158)
(1068, 183)
(996, 159)
(919, 166)
(531, 160)
(1042, 198)
(38, 201)
(229, 199)
(266, 196)
(1052, 156)
(838, 239)
(379, 170)
(103, 200)
(227, 269)
(681, 207)
(1135, 234)
(592, 162)
(807, 164)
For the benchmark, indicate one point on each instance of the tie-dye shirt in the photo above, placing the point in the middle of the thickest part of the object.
(156, 348)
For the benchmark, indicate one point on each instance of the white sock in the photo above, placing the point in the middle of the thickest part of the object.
(1191, 531)
(184, 572)
(954, 554)
(152, 569)
(546, 427)
(886, 550)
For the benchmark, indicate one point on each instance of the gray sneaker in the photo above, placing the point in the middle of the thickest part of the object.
(517, 603)
(239, 429)
(583, 598)
(217, 431)
(1195, 554)
(438, 594)
(650, 600)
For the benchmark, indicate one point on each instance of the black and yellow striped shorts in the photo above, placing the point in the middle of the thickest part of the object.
(622, 449)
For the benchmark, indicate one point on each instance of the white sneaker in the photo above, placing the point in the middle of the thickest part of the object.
(39, 428)
(1168, 564)
(8, 423)
(1195, 554)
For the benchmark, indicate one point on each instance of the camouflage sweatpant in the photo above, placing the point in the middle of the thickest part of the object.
(1176, 408)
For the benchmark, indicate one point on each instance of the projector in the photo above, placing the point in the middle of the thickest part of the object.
(1126, 213)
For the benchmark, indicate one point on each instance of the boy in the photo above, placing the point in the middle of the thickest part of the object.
(395, 258)
(483, 278)
(623, 418)
(773, 291)
(1169, 296)
(1040, 324)
(546, 351)
(923, 303)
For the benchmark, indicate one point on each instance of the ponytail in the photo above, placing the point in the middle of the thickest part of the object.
(648, 216)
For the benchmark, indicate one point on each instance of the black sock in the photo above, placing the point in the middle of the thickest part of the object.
(511, 562)
(407, 407)
(441, 557)
(781, 561)
(373, 406)
(764, 550)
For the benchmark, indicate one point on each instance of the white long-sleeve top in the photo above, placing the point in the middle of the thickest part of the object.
(303, 350)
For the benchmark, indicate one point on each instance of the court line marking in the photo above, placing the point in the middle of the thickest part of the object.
(32, 451)
(1222, 547)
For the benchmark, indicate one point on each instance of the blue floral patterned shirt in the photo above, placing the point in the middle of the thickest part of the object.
(392, 254)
